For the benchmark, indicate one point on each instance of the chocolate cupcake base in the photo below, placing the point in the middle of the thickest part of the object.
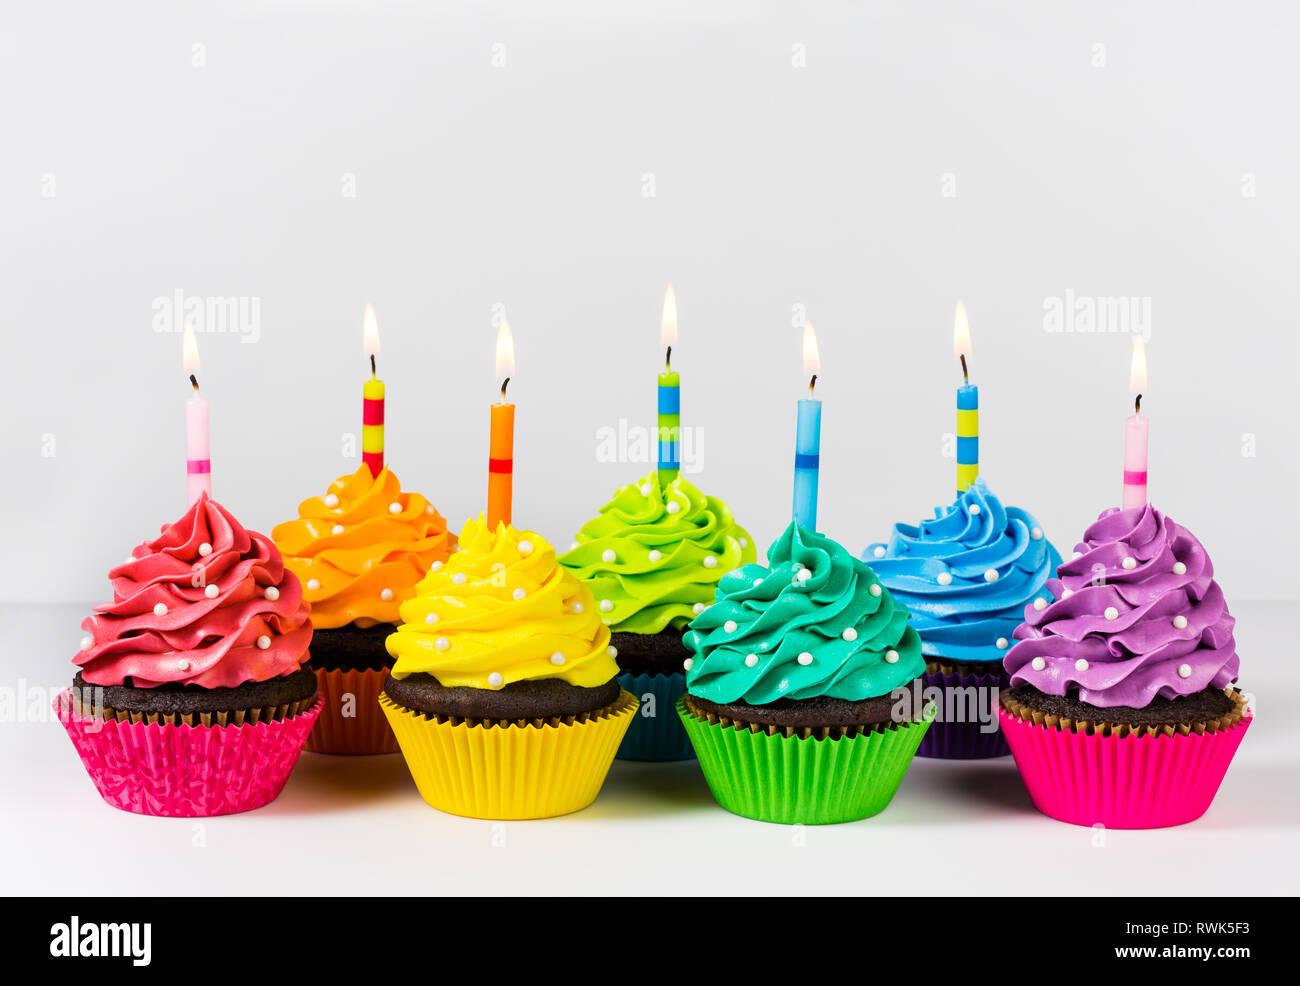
(352, 648)
(651, 666)
(253, 701)
(519, 701)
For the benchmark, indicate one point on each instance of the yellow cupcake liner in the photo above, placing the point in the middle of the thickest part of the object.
(510, 770)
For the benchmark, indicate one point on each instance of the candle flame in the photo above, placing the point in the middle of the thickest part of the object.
(190, 351)
(960, 331)
(1137, 374)
(370, 332)
(505, 350)
(668, 324)
(812, 361)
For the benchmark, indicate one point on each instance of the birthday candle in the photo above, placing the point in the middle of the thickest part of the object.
(501, 440)
(198, 464)
(1135, 432)
(670, 401)
(968, 406)
(372, 402)
(808, 439)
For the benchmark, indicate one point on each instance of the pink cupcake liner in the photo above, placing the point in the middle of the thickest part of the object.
(183, 771)
(1121, 782)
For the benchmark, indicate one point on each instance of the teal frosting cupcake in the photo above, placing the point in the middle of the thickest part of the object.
(796, 702)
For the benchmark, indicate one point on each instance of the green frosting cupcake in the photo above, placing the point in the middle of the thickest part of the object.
(654, 556)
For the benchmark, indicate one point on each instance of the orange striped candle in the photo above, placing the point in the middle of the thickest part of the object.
(501, 439)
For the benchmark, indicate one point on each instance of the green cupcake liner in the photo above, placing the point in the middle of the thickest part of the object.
(803, 780)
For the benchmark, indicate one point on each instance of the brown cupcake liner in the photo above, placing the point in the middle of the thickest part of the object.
(801, 732)
(232, 717)
(1103, 728)
(364, 732)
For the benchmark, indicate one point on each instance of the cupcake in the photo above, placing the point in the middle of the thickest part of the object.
(359, 551)
(653, 559)
(503, 694)
(193, 696)
(797, 702)
(1121, 710)
(966, 576)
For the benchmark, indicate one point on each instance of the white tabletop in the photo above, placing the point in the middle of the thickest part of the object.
(348, 825)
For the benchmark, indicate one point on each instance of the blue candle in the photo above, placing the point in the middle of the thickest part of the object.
(808, 440)
(968, 406)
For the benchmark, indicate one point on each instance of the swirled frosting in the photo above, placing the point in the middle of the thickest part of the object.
(966, 574)
(656, 553)
(1134, 615)
(815, 621)
(360, 549)
(501, 610)
(207, 603)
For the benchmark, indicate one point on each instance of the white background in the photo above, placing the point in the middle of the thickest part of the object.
(797, 157)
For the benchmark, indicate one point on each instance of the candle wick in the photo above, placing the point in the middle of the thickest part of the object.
(504, 384)
(668, 360)
(1137, 405)
(373, 371)
(965, 375)
(194, 382)
(812, 384)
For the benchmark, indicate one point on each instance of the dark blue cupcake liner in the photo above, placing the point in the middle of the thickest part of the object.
(963, 740)
(659, 736)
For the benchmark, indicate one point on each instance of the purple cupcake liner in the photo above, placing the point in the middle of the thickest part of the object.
(963, 740)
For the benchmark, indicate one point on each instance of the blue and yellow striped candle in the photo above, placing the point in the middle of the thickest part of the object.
(670, 397)
(968, 406)
(808, 439)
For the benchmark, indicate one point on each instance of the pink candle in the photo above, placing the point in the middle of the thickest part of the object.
(198, 464)
(1135, 433)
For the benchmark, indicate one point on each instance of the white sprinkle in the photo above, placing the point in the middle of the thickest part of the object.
(688, 663)
(698, 608)
(751, 660)
(1180, 568)
(974, 509)
(1000, 643)
(874, 589)
(654, 555)
(944, 578)
(557, 658)
(1112, 613)
(263, 642)
(1036, 533)
(337, 529)
(879, 551)
(850, 634)
(458, 578)
(1184, 670)
(672, 508)
(991, 575)
(525, 547)
(160, 609)
(313, 584)
(87, 643)
(805, 659)
(272, 593)
(606, 605)
(1067, 593)
(1080, 665)
(1180, 622)
(1128, 564)
(710, 561)
(1038, 664)
(386, 595)
(431, 619)
(331, 500)
(518, 594)
(442, 643)
(744, 542)
(394, 507)
(576, 607)
(205, 549)
(730, 626)
(435, 566)
(608, 555)
(612, 650)
(211, 591)
(891, 656)
(183, 665)
(803, 575)
(646, 489)
(495, 680)
(1040, 604)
